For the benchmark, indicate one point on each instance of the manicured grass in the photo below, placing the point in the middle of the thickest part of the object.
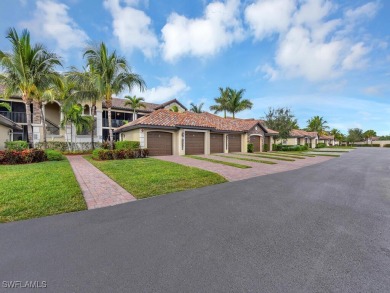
(247, 159)
(326, 155)
(329, 151)
(269, 157)
(148, 177)
(298, 154)
(38, 190)
(220, 162)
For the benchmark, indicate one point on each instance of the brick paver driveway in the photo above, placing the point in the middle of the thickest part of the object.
(234, 174)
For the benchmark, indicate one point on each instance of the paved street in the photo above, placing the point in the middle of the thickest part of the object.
(321, 228)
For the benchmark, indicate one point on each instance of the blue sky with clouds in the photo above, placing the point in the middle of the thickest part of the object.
(327, 58)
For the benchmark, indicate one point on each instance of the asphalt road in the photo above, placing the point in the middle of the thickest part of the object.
(323, 228)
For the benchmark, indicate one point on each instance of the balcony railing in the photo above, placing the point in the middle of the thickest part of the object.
(18, 117)
(115, 122)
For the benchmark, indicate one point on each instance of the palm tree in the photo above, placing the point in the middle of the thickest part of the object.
(114, 76)
(86, 88)
(369, 134)
(317, 124)
(24, 69)
(221, 102)
(135, 104)
(337, 134)
(196, 108)
(236, 103)
(73, 115)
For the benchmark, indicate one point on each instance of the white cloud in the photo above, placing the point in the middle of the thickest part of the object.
(52, 21)
(132, 27)
(219, 27)
(172, 88)
(311, 43)
(269, 16)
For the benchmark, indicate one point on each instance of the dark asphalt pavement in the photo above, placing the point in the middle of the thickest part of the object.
(323, 228)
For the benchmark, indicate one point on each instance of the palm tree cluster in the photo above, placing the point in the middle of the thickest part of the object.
(31, 72)
(231, 101)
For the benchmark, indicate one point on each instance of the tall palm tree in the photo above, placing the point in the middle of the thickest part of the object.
(221, 102)
(114, 76)
(86, 88)
(236, 103)
(24, 68)
(196, 108)
(135, 103)
(318, 124)
(369, 134)
(337, 134)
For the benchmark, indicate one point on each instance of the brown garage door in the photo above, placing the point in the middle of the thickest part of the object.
(159, 143)
(216, 143)
(234, 143)
(194, 143)
(255, 140)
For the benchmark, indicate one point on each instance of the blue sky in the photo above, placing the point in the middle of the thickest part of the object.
(327, 58)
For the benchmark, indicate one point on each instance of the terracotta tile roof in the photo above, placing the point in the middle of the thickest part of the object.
(118, 103)
(170, 102)
(302, 133)
(326, 137)
(167, 118)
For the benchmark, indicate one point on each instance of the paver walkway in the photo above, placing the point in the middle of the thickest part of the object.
(234, 174)
(98, 189)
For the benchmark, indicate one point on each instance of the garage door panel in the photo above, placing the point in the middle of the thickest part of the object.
(234, 143)
(194, 143)
(216, 143)
(159, 143)
(255, 140)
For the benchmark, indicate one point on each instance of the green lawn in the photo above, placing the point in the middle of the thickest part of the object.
(148, 177)
(37, 190)
(247, 159)
(220, 162)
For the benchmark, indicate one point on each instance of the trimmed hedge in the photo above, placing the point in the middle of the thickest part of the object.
(62, 146)
(17, 145)
(386, 145)
(374, 145)
(103, 154)
(320, 145)
(53, 155)
(250, 148)
(292, 148)
(266, 147)
(127, 145)
(9, 157)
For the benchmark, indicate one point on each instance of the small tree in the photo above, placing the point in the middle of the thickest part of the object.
(135, 104)
(281, 120)
(354, 135)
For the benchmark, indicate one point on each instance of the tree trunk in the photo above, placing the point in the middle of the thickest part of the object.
(224, 113)
(28, 120)
(93, 127)
(111, 136)
(71, 136)
(133, 114)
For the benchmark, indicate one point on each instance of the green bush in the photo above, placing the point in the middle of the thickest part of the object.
(386, 145)
(103, 154)
(53, 155)
(18, 145)
(127, 145)
(9, 157)
(320, 145)
(266, 147)
(63, 146)
(374, 145)
(290, 148)
(250, 148)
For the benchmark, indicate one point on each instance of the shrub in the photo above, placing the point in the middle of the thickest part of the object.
(374, 145)
(250, 148)
(63, 146)
(122, 145)
(266, 147)
(102, 154)
(9, 157)
(18, 145)
(292, 148)
(53, 155)
(386, 145)
(320, 145)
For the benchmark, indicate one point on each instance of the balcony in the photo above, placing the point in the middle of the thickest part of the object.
(115, 122)
(17, 117)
